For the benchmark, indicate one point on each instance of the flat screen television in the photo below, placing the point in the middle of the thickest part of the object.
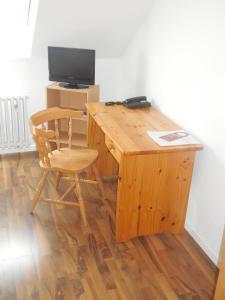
(72, 67)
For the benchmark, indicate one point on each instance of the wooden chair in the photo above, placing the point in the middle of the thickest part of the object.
(62, 160)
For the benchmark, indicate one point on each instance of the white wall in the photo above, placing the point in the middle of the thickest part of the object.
(69, 24)
(178, 58)
(16, 28)
(106, 26)
(30, 76)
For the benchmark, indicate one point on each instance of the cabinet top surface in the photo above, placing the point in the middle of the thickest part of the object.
(55, 86)
(128, 128)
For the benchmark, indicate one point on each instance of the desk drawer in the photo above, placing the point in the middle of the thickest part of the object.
(113, 149)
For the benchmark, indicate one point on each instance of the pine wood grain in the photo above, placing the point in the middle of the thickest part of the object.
(107, 165)
(220, 286)
(153, 193)
(75, 99)
(63, 160)
(51, 255)
(127, 128)
(154, 181)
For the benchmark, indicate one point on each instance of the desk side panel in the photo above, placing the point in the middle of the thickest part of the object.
(153, 193)
(106, 164)
(220, 285)
(53, 98)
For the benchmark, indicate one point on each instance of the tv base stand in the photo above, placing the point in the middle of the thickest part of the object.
(73, 86)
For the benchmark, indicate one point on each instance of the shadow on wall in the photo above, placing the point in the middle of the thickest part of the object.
(142, 75)
(135, 74)
(207, 193)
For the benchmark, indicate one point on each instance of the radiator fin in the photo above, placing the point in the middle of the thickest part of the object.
(14, 127)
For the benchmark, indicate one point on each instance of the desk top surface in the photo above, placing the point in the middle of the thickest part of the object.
(128, 128)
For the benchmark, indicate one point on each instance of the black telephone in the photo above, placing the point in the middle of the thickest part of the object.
(135, 102)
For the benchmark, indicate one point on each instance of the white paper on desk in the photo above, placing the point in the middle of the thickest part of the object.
(186, 140)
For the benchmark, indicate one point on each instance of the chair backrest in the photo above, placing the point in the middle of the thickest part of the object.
(45, 129)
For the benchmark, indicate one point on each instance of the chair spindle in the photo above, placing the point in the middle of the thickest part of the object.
(70, 133)
(57, 134)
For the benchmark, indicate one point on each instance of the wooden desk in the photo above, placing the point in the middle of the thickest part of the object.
(153, 181)
(220, 286)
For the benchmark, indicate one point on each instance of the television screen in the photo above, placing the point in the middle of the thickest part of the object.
(71, 65)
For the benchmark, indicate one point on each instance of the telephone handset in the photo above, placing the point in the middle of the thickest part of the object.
(135, 102)
(135, 99)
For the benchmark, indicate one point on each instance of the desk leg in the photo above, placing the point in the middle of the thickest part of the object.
(153, 193)
(106, 164)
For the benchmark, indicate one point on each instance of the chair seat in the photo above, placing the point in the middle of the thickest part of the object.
(72, 160)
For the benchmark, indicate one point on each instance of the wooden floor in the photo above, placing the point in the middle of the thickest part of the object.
(52, 256)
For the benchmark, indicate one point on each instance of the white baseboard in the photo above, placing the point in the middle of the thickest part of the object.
(18, 150)
(209, 252)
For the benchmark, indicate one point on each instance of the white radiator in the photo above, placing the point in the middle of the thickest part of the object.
(14, 126)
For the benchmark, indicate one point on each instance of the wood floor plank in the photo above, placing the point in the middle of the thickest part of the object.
(52, 255)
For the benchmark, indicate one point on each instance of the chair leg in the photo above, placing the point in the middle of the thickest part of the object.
(58, 176)
(39, 190)
(99, 181)
(80, 199)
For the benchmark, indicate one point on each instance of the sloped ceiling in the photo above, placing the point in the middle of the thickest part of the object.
(104, 25)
